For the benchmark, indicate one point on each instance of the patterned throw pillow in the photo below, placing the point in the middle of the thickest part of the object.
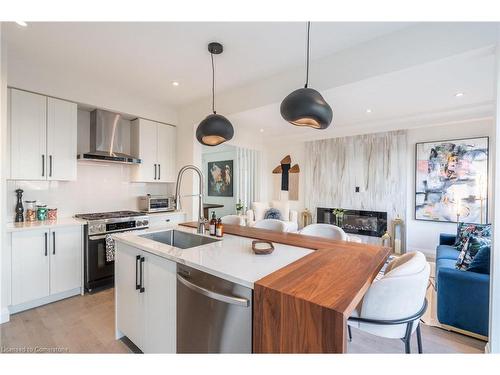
(467, 230)
(475, 244)
(273, 213)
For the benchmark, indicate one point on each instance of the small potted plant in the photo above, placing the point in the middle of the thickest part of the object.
(239, 207)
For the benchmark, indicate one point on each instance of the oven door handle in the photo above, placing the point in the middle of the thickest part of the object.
(137, 282)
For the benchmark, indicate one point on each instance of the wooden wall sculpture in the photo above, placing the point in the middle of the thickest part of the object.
(289, 181)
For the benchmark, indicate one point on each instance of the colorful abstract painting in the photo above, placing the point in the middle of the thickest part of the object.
(451, 180)
(220, 178)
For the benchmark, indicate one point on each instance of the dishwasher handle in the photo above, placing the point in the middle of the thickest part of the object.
(208, 293)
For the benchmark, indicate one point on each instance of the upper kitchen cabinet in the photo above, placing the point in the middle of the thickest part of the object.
(43, 135)
(154, 143)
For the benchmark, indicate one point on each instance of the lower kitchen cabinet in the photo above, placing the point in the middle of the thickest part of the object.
(145, 287)
(46, 266)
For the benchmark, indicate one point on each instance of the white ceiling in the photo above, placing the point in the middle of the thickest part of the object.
(146, 57)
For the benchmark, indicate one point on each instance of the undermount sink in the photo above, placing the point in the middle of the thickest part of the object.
(180, 239)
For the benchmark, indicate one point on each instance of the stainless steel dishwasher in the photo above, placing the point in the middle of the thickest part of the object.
(213, 315)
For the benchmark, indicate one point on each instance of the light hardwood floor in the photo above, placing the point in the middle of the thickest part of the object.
(85, 324)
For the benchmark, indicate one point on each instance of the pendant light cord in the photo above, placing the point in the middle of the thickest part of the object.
(307, 54)
(213, 83)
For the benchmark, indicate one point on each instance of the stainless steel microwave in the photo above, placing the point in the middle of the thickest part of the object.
(156, 203)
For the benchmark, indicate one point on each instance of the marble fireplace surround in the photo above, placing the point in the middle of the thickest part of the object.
(364, 172)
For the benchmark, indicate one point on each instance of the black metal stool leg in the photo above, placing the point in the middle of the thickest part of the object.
(349, 333)
(419, 339)
(407, 338)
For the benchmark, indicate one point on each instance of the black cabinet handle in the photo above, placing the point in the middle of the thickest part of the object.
(45, 243)
(155, 171)
(50, 165)
(53, 243)
(159, 171)
(137, 284)
(141, 290)
(43, 165)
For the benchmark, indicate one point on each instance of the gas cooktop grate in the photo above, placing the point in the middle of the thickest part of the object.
(109, 215)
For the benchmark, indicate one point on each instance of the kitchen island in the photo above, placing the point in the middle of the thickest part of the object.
(303, 293)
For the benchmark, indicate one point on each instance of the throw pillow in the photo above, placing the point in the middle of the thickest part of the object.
(474, 244)
(481, 262)
(259, 209)
(273, 213)
(283, 207)
(466, 230)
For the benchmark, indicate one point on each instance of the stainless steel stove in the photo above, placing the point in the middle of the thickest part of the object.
(98, 271)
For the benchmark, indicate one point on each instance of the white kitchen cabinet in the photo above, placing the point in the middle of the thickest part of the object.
(30, 266)
(28, 135)
(46, 266)
(43, 137)
(145, 288)
(154, 143)
(61, 139)
(65, 258)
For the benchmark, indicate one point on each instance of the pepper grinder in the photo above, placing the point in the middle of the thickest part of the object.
(19, 206)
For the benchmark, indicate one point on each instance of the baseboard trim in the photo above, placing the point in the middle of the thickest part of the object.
(4, 315)
(43, 301)
(464, 332)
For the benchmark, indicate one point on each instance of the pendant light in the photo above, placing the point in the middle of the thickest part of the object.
(214, 129)
(306, 106)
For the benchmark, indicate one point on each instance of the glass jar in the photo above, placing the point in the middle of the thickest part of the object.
(30, 213)
(52, 214)
(41, 212)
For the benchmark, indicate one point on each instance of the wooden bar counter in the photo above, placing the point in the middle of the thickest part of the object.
(303, 307)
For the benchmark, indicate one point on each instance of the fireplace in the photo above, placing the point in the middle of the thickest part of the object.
(366, 223)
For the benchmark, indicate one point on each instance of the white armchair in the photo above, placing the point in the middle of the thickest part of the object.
(233, 220)
(289, 217)
(328, 231)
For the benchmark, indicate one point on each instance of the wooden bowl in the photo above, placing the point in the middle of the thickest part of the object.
(261, 247)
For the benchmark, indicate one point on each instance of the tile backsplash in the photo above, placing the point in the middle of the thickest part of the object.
(99, 187)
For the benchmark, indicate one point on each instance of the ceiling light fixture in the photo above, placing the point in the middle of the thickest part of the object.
(175, 83)
(368, 110)
(261, 130)
(214, 129)
(21, 23)
(459, 94)
(306, 106)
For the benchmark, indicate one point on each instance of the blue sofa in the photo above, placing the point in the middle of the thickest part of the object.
(462, 296)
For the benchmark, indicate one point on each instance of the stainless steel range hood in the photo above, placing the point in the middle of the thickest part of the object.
(107, 139)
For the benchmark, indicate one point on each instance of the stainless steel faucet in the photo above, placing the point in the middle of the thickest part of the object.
(201, 218)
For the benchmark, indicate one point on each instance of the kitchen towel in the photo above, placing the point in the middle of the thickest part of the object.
(110, 249)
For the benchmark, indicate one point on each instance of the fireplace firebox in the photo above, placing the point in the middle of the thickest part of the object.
(366, 223)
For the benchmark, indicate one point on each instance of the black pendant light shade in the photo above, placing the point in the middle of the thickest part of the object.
(306, 107)
(214, 129)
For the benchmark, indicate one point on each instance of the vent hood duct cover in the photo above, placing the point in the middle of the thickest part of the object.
(107, 139)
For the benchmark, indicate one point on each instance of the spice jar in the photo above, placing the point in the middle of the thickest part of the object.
(30, 214)
(52, 214)
(41, 212)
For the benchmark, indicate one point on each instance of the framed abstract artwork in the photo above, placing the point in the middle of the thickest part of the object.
(220, 178)
(451, 180)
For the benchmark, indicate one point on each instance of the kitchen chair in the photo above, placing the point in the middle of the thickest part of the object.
(271, 224)
(233, 220)
(393, 305)
(325, 230)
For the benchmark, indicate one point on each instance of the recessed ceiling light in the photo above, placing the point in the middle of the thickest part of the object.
(261, 130)
(459, 94)
(368, 110)
(175, 83)
(22, 23)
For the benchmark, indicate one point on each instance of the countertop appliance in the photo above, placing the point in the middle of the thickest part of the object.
(98, 272)
(156, 203)
(213, 315)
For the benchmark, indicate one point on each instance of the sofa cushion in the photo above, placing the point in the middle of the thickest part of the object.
(481, 262)
(466, 230)
(444, 263)
(474, 244)
(259, 209)
(273, 213)
(447, 252)
(283, 207)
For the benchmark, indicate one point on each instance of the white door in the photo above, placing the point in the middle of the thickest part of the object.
(30, 265)
(146, 149)
(61, 139)
(130, 315)
(160, 286)
(166, 142)
(65, 259)
(28, 126)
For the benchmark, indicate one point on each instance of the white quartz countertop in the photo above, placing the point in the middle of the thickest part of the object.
(46, 224)
(231, 258)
